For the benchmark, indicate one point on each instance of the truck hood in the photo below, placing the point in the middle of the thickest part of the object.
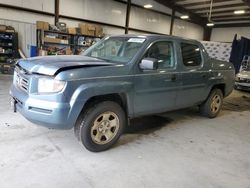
(52, 65)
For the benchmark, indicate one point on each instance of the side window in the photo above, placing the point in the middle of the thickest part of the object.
(163, 52)
(191, 54)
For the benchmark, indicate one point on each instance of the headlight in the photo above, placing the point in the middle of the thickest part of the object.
(49, 85)
(237, 79)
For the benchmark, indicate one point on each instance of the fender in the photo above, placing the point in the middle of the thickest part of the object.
(86, 91)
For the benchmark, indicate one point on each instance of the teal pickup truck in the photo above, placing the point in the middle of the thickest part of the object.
(117, 79)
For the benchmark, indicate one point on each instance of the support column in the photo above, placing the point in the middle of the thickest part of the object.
(56, 11)
(127, 16)
(172, 22)
(207, 33)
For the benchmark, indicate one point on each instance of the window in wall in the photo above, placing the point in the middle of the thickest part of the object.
(191, 55)
(163, 52)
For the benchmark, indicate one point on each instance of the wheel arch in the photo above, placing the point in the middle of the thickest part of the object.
(119, 98)
(221, 86)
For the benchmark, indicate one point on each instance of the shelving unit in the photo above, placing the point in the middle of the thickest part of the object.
(8, 50)
(61, 43)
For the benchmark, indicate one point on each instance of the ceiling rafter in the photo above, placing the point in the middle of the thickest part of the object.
(193, 16)
(232, 19)
(247, 2)
(203, 3)
(222, 11)
(230, 16)
(218, 7)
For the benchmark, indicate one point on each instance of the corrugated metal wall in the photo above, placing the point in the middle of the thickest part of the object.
(26, 34)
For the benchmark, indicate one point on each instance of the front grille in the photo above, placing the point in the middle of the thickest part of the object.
(19, 79)
(244, 80)
(22, 83)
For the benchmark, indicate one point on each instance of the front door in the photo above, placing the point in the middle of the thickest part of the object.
(155, 90)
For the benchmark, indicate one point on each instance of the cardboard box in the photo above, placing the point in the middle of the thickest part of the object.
(42, 25)
(87, 29)
(72, 30)
(39, 24)
(52, 40)
(55, 40)
(68, 51)
(46, 26)
(10, 31)
(62, 41)
(2, 27)
(91, 30)
(98, 31)
(83, 28)
(42, 52)
(78, 30)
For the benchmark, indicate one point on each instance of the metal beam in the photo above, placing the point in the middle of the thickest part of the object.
(222, 11)
(247, 2)
(152, 10)
(233, 6)
(203, 3)
(139, 6)
(207, 33)
(172, 22)
(232, 25)
(231, 16)
(56, 11)
(231, 20)
(194, 17)
(127, 16)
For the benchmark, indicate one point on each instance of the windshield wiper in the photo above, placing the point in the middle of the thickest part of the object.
(108, 60)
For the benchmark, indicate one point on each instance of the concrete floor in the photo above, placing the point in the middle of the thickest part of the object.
(179, 149)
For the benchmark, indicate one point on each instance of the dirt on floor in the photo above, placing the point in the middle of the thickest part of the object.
(237, 103)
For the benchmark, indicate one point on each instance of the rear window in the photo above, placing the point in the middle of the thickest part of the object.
(191, 54)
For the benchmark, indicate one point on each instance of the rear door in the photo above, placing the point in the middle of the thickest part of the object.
(194, 75)
(156, 90)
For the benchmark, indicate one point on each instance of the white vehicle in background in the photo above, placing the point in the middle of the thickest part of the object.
(242, 79)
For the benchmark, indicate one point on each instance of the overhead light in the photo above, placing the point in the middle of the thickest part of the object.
(210, 24)
(148, 6)
(239, 12)
(184, 17)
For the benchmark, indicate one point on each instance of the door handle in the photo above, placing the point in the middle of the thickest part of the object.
(173, 77)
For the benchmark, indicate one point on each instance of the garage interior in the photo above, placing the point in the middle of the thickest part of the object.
(175, 149)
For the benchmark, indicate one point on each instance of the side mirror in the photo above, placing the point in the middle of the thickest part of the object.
(149, 64)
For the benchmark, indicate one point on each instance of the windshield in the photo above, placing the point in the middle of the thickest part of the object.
(115, 49)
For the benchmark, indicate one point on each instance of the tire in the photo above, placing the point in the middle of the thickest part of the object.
(100, 127)
(212, 106)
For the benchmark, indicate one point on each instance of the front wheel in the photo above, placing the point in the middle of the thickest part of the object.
(101, 126)
(212, 106)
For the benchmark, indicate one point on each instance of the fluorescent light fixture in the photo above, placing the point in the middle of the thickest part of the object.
(239, 12)
(210, 24)
(148, 6)
(184, 17)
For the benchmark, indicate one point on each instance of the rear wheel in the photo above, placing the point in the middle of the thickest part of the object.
(101, 126)
(212, 106)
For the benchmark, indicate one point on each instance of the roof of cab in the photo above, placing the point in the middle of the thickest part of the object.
(155, 36)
